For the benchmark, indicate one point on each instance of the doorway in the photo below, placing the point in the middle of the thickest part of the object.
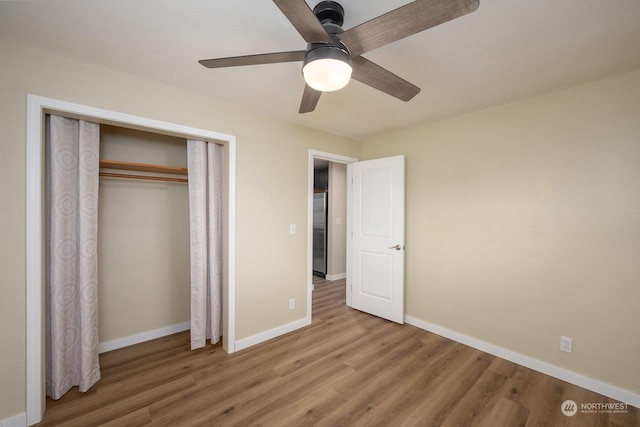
(327, 247)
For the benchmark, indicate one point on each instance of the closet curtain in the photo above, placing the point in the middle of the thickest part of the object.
(71, 231)
(205, 163)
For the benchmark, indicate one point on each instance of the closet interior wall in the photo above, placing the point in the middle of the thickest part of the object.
(143, 238)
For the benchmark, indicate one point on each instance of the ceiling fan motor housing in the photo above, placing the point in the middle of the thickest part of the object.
(331, 16)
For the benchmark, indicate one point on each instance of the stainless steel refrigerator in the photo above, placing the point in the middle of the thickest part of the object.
(320, 234)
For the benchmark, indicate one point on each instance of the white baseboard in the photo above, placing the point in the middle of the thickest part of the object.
(332, 277)
(600, 387)
(19, 420)
(142, 337)
(267, 335)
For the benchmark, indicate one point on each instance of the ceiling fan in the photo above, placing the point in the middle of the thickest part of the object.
(334, 56)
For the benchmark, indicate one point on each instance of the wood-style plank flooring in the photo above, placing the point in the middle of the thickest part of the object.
(346, 369)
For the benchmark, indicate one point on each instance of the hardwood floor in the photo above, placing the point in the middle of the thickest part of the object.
(346, 369)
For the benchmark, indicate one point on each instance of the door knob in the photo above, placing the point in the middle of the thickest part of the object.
(396, 247)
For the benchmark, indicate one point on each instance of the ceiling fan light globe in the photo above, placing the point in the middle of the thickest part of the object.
(327, 75)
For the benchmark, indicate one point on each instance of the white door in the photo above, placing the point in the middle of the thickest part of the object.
(376, 252)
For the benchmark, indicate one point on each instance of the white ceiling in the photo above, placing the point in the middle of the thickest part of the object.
(505, 51)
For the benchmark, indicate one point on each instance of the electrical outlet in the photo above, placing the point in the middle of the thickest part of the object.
(566, 344)
(292, 303)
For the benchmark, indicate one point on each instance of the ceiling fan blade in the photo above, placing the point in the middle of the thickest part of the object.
(263, 58)
(310, 99)
(303, 19)
(384, 80)
(403, 22)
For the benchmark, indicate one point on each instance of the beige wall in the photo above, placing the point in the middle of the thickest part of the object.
(523, 224)
(143, 241)
(270, 263)
(337, 244)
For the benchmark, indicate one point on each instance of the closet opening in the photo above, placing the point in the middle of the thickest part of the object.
(143, 237)
(121, 125)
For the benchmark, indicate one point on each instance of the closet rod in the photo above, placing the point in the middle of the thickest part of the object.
(145, 177)
(142, 167)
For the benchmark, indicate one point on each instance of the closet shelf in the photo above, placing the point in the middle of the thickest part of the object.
(142, 167)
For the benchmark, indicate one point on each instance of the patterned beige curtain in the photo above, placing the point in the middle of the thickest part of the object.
(205, 162)
(71, 287)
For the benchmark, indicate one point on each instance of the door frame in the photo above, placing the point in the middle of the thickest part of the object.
(335, 158)
(37, 106)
